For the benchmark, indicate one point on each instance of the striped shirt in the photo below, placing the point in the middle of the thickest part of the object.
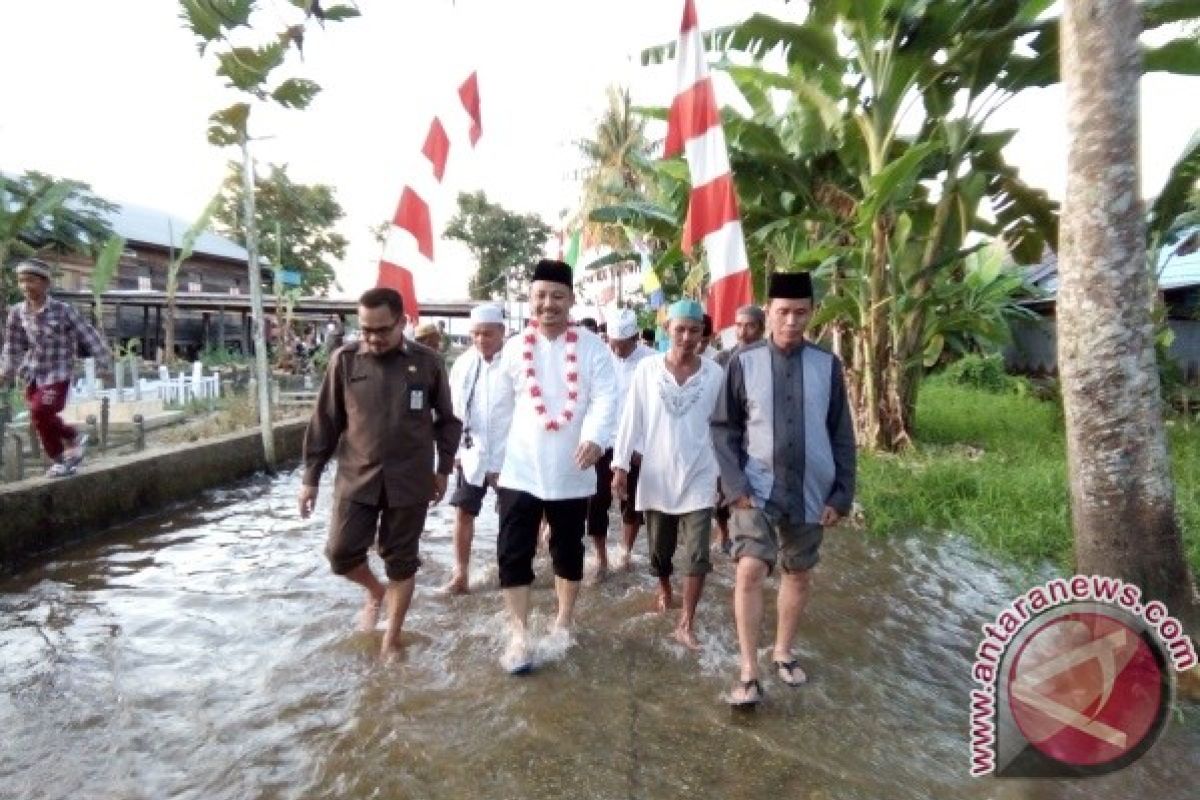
(40, 346)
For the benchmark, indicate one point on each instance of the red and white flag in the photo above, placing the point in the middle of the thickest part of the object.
(408, 251)
(694, 129)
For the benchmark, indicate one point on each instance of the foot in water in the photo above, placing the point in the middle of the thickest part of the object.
(745, 693)
(368, 617)
(600, 575)
(516, 659)
(664, 602)
(458, 585)
(625, 560)
(687, 638)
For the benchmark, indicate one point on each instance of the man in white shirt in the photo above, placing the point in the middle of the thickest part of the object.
(624, 339)
(556, 411)
(473, 380)
(666, 417)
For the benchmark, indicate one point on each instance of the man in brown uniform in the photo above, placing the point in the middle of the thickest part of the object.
(383, 405)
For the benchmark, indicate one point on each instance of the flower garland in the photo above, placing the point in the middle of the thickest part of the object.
(535, 389)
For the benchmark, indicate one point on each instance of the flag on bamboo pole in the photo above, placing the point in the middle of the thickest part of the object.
(694, 129)
(408, 250)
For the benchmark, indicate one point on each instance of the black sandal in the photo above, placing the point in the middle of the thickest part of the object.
(789, 668)
(749, 702)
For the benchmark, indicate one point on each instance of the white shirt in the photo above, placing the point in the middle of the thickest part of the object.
(710, 353)
(625, 367)
(536, 460)
(669, 425)
(470, 370)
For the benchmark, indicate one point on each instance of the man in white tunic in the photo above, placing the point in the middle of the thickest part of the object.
(473, 379)
(556, 411)
(666, 417)
(624, 339)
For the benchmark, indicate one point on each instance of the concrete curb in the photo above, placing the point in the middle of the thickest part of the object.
(44, 513)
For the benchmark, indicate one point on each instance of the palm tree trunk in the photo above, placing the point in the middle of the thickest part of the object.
(169, 323)
(1122, 496)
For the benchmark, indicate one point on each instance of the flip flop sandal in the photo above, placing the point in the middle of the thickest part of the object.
(749, 702)
(785, 670)
(521, 668)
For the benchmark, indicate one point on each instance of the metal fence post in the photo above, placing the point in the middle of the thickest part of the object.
(139, 433)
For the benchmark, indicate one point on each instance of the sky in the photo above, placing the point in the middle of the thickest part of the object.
(115, 94)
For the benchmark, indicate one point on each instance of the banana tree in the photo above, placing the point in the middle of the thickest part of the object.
(40, 213)
(837, 181)
(103, 273)
(186, 245)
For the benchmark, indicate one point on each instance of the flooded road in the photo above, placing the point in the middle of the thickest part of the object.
(208, 653)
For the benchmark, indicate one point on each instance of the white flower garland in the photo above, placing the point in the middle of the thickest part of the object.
(535, 389)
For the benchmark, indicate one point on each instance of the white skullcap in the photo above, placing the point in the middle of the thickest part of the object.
(487, 314)
(622, 323)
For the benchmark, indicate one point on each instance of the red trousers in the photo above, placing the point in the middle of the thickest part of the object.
(45, 405)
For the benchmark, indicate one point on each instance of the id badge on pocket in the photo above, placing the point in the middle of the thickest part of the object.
(416, 398)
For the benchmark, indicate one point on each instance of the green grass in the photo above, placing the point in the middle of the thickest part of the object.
(993, 467)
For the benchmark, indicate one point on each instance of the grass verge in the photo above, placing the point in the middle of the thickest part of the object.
(993, 467)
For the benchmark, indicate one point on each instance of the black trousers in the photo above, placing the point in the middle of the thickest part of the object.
(521, 518)
(599, 503)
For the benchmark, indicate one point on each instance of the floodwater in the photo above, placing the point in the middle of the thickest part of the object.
(207, 653)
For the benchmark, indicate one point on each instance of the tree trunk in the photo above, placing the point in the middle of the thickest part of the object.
(261, 370)
(1122, 497)
(169, 324)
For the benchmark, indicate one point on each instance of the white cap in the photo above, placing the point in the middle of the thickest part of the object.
(487, 314)
(622, 323)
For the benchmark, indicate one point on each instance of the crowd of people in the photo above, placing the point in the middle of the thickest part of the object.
(560, 423)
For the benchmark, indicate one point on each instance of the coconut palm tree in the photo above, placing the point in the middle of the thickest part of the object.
(1122, 496)
(615, 166)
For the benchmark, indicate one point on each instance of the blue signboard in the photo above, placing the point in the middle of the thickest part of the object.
(289, 277)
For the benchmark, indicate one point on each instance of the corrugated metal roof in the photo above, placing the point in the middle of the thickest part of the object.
(139, 224)
(1176, 271)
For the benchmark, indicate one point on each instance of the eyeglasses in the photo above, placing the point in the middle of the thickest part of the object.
(380, 331)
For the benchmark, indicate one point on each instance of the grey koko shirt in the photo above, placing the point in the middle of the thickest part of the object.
(783, 432)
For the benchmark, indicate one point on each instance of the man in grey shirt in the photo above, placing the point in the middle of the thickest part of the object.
(784, 439)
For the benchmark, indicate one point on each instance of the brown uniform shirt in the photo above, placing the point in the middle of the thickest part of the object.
(381, 417)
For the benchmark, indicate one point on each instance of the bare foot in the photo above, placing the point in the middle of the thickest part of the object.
(459, 584)
(599, 576)
(391, 649)
(664, 601)
(686, 638)
(368, 617)
(625, 560)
